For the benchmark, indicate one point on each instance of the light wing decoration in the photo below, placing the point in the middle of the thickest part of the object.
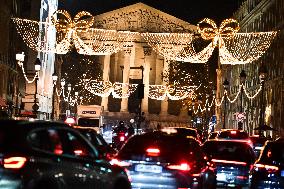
(245, 47)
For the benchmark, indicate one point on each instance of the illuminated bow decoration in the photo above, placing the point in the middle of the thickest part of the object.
(65, 24)
(167, 89)
(209, 30)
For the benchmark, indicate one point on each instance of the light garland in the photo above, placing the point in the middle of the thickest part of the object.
(168, 45)
(105, 88)
(173, 92)
(235, 48)
(245, 47)
(25, 75)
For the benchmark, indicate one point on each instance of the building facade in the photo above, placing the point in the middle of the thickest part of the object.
(122, 66)
(260, 16)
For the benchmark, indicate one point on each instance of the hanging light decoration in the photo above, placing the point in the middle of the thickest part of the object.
(72, 33)
(168, 45)
(235, 48)
(174, 92)
(105, 88)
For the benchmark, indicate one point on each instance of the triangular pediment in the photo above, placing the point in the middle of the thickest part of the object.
(140, 17)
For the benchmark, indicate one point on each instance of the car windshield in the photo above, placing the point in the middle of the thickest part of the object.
(273, 152)
(229, 150)
(233, 135)
(172, 148)
(87, 122)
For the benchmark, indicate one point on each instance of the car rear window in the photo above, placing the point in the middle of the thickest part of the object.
(172, 148)
(273, 152)
(233, 135)
(228, 150)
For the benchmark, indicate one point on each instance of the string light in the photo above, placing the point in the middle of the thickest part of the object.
(105, 88)
(245, 47)
(173, 92)
(168, 45)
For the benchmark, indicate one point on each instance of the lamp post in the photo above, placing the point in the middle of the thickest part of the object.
(262, 77)
(226, 86)
(54, 79)
(20, 57)
(69, 88)
(243, 76)
(37, 69)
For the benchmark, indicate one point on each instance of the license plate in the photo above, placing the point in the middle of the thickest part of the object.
(148, 168)
(282, 173)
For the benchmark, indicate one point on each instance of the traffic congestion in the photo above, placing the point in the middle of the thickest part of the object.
(47, 154)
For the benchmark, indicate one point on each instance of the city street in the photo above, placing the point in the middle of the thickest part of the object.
(141, 94)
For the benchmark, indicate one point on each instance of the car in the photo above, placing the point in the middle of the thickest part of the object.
(183, 131)
(105, 150)
(46, 154)
(233, 134)
(258, 143)
(163, 160)
(268, 170)
(233, 160)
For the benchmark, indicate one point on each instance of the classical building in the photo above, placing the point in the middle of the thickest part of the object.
(127, 66)
(260, 16)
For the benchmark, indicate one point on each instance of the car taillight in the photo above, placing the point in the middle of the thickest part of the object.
(153, 151)
(121, 138)
(119, 163)
(180, 167)
(14, 162)
(229, 162)
(268, 168)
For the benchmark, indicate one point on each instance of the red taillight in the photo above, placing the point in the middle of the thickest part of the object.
(233, 132)
(14, 162)
(122, 138)
(181, 167)
(268, 168)
(153, 151)
(227, 161)
(78, 152)
(119, 163)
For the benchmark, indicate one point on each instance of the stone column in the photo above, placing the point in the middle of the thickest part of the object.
(146, 79)
(165, 103)
(106, 70)
(129, 58)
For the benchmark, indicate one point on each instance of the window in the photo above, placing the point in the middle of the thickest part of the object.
(77, 146)
(46, 140)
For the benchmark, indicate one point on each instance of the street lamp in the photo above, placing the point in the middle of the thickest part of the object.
(226, 86)
(262, 77)
(54, 79)
(37, 69)
(69, 88)
(243, 76)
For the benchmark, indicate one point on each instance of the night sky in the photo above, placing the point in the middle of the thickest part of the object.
(191, 11)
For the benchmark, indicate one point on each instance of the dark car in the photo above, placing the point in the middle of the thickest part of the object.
(268, 170)
(52, 155)
(105, 150)
(258, 143)
(233, 160)
(161, 160)
(233, 134)
(187, 132)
